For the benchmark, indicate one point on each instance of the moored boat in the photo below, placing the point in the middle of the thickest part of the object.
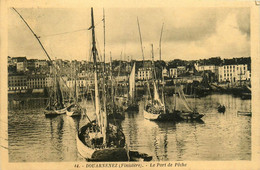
(132, 104)
(54, 112)
(90, 144)
(73, 110)
(99, 140)
(221, 109)
(244, 113)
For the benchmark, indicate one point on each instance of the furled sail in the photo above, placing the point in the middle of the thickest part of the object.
(59, 96)
(132, 83)
(156, 94)
(184, 100)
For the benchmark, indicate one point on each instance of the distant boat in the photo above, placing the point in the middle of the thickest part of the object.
(244, 113)
(221, 109)
(74, 108)
(99, 140)
(154, 108)
(55, 102)
(187, 112)
(132, 104)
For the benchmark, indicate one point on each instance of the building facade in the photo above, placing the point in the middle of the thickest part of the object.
(144, 74)
(234, 73)
(17, 82)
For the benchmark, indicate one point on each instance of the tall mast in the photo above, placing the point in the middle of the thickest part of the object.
(140, 40)
(160, 50)
(112, 85)
(105, 124)
(148, 86)
(94, 53)
(38, 39)
(153, 65)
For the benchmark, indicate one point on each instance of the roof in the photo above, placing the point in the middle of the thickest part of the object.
(20, 59)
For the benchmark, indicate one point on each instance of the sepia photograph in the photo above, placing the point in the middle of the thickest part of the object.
(162, 85)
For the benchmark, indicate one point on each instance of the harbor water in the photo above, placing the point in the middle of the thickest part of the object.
(34, 138)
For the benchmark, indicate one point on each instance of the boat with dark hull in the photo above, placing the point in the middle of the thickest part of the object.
(186, 112)
(132, 104)
(221, 109)
(99, 140)
(91, 146)
(73, 110)
(55, 104)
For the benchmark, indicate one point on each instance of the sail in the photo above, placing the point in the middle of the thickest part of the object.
(59, 96)
(156, 94)
(132, 83)
(183, 100)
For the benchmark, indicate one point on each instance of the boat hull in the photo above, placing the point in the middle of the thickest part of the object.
(133, 107)
(244, 113)
(150, 116)
(221, 109)
(73, 113)
(190, 116)
(54, 112)
(100, 154)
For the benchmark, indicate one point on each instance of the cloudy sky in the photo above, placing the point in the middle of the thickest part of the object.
(189, 33)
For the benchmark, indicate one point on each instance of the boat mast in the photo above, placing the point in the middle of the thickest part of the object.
(148, 85)
(105, 124)
(160, 50)
(94, 53)
(112, 85)
(38, 39)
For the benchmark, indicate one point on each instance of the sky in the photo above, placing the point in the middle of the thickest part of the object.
(188, 33)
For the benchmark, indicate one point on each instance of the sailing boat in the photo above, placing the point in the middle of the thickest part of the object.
(155, 108)
(187, 112)
(55, 103)
(132, 103)
(74, 109)
(113, 108)
(98, 140)
(121, 97)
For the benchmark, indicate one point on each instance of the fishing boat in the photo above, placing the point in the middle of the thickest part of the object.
(186, 112)
(98, 140)
(121, 96)
(74, 108)
(154, 107)
(55, 104)
(244, 113)
(221, 108)
(132, 104)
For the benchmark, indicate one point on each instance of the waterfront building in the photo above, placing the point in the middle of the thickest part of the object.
(21, 63)
(165, 72)
(234, 73)
(173, 72)
(31, 64)
(37, 81)
(144, 73)
(17, 83)
(40, 63)
(211, 67)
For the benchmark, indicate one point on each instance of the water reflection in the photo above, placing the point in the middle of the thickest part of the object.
(32, 137)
